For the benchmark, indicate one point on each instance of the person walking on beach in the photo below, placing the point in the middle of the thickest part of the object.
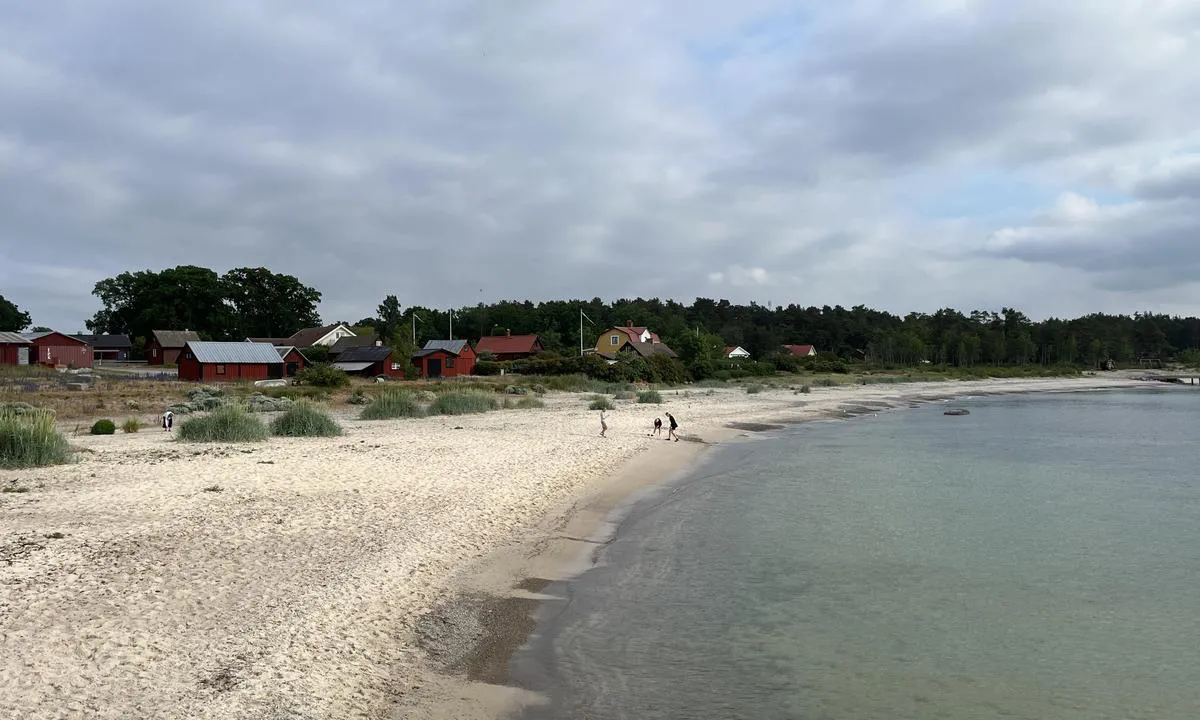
(658, 427)
(168, 421)
(603, 425)
(673, 428)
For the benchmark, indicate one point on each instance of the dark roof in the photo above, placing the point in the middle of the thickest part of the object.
(284, 342)
(12, 338)
(454, 347)
(647, 349)
(507, 344)
(235, 353)
(107, 342)
(283, 350)
(346, 343)
(370, 354)
(175, 338)
(308, 336)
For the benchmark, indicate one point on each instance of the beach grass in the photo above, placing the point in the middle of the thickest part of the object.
(228, 423)
(648, 397)
(463, 403)
(132, 425)
(29, 439)
(393, 404)
(755, 388)
(600, 402)
(530, 403)
(305, 419)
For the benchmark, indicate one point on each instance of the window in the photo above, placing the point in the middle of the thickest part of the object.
(449, 362)
(614, 339)
(395, 366)
(220, 369)
(153, 352)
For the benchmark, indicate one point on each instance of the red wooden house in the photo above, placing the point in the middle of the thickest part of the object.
(509, 347)
(54, 348)
(445, 358)
(164, 346)
(15, 350)
(293, 359)
(369, 361)
(229, 361)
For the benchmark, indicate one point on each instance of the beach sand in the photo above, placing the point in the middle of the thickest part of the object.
(386, 573)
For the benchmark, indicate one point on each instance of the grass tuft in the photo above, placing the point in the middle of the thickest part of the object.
(600, 402)
(29, 439)
(649, 397)
(463, 403)
(754, 389)
(228, 423)
(132, 425)
(392, 404)
(530, 403)
(305, 420)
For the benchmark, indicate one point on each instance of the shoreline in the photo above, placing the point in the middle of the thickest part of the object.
(290, 578)
(506, 588)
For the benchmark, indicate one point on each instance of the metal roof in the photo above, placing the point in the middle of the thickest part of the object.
(352, 366)
(235, 353)
(450, 346)
(12, 338)
(35, 335)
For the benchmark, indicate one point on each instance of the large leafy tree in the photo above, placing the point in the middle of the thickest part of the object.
(12, 318)
(267, 304)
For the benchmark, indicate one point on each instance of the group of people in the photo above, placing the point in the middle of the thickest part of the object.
(658, 427)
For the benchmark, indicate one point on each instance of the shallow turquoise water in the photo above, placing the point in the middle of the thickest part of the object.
(1039, 558)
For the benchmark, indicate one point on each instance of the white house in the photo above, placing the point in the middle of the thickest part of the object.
(737, 353)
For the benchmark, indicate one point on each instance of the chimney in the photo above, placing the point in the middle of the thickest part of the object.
(378, 343)
(507, 332)
(628, 323)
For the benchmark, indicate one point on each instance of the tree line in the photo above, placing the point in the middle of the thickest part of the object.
(255, 302)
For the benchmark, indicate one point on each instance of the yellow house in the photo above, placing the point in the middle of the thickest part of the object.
(616, 340)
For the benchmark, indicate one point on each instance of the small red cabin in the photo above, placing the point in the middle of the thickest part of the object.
(293, 359)
(164, 346)
(509, 347)
(445, 358)
(370, 361)
(15, 350)
(54, 349)
(229, 361)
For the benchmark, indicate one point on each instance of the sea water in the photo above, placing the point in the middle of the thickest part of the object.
(1038, 558)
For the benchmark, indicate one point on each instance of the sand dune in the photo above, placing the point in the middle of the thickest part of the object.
(129, 590)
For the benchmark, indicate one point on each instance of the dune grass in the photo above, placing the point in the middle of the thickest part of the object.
(392, 404)
(29, 439)
(463, 403)
(528, 403)
(305, 420)
(132, 425)
(600, 402)
(649, 397)
(228, 423)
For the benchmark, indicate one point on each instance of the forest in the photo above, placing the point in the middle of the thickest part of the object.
(250, 302)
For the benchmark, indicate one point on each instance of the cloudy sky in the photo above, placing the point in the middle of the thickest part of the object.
(905, 155)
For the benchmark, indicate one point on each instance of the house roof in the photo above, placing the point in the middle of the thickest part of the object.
(175, 338)
(308, 336)
(283, 350)
(34, 336)
(504, 344)
(355, 341)
(646, 349)
(235, 353)
(352, 366)
(278, 342)
(454, 347)
(12, 338)
(799, 350)
(107, 342)
(370, 354)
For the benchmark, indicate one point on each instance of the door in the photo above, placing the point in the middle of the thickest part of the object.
(435, 367)
(292, 369)
(274, 372)
(22, 356)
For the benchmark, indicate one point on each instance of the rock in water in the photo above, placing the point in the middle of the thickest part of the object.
(957, 411)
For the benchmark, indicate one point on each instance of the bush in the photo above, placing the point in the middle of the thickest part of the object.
(228, 423)
(28, 439)
(104, 427)
(323, 375)
(392, 404)
(538, 389)
(305, 420)
(754, 389)
(649, 397)
(516, 390)
(624, 395)
(463, 403)
(805, 389)
(599, 402)
(132, 425)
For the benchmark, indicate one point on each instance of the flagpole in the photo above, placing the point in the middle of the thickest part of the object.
(452, 324)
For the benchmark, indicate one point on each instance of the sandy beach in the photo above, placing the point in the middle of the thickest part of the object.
(305, 578)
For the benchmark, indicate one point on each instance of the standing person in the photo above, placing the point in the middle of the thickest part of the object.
(673, 428)
(168, 421)
(603, 425)
(658, 427)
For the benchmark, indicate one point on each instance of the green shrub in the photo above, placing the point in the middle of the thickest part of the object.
(754, 389)
(463, 403)
(649, 397)
(28, 439)
(600, 402)
(538, 389)
(392, 404)
(104, 427)
(305, 420)
(132, 425)
(625, 395)
(530, 403)
(516, 390)
(805, 389)
(323, 375)
(826, 382)
(228, 423)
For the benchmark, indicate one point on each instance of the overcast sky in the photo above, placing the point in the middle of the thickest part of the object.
(904, 155)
